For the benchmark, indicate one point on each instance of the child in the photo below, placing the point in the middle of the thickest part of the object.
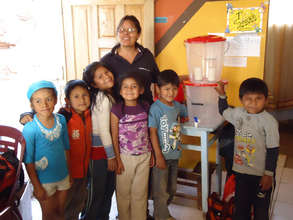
(256, 148)
(79, 126)
(79, 130)
(103, 162)
(163, 121)
(45, 158)
(132, 147)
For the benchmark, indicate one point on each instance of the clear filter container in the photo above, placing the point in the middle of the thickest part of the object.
(205, 57)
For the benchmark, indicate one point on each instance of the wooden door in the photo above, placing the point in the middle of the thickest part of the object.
(90, 29)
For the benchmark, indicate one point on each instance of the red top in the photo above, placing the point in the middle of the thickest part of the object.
(205, 39)
(180, 96)
(98, 153)
(80, 139)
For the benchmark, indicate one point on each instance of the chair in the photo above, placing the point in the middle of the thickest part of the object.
(11, 139)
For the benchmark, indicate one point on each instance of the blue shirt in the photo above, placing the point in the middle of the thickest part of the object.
(46, 148)
(165, 118)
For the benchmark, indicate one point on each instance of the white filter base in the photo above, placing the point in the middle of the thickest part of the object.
(202, 102)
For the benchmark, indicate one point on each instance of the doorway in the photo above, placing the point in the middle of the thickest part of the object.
(31, 49)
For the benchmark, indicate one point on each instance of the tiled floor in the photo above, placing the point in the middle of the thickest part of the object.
(283, 208)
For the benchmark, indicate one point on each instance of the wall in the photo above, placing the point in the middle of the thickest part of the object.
(210, 18)
(171, 10)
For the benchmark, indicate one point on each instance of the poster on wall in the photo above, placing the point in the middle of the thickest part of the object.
(240, 20)
(243, 45)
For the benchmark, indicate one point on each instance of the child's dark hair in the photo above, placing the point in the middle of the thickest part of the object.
(131, 18)
(168, 76)
(253, 85)
(136, 76)
(89, 75)
(70, 85)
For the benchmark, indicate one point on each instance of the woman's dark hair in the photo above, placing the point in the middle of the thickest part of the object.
(168, 76)
(131, 18)
(70, 85)
(253, 85)
(89, 75)
(136, 76)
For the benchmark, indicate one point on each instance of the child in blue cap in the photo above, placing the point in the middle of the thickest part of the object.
(46, 154)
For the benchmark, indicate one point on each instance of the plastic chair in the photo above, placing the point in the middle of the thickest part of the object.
(11, 139)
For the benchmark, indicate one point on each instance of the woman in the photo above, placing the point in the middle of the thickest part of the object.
(128, 55)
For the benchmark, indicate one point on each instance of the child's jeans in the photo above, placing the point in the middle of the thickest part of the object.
(132, 187)
(246, 196)
(102, 182)
(76, 198)
(164, 186)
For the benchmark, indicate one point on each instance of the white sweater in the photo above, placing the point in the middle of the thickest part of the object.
(101, 124)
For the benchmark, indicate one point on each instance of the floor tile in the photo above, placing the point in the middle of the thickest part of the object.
(37, 212)
(113, 211)
(183, 212)
(278, 217)
(285, 193)
(283, 209)
(287, 176)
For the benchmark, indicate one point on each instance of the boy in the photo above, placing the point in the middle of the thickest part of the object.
(256, 148)
(163, 124)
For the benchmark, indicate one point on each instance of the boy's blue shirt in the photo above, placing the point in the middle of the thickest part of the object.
(164, 118)
(47, 153)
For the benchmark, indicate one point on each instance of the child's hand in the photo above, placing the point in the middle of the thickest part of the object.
(120, 166)
(220, 88)
(266, 182)
(152, 160)
(25, 119)
(40, 193)
(112, 164)
(161, 163)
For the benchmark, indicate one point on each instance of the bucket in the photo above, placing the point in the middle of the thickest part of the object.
(205, 57)
(202, 102)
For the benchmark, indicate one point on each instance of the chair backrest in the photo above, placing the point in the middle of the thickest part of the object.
(11, 138)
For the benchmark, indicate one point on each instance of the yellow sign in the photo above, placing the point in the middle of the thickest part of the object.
(245, 20)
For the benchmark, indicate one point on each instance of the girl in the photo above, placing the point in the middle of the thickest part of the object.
(46, 143)
(132, 148)
(79, 125)
(100, 82)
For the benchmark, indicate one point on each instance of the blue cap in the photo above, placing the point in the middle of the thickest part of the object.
(39, 85)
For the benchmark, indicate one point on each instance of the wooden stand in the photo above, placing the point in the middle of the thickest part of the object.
(193, 179)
